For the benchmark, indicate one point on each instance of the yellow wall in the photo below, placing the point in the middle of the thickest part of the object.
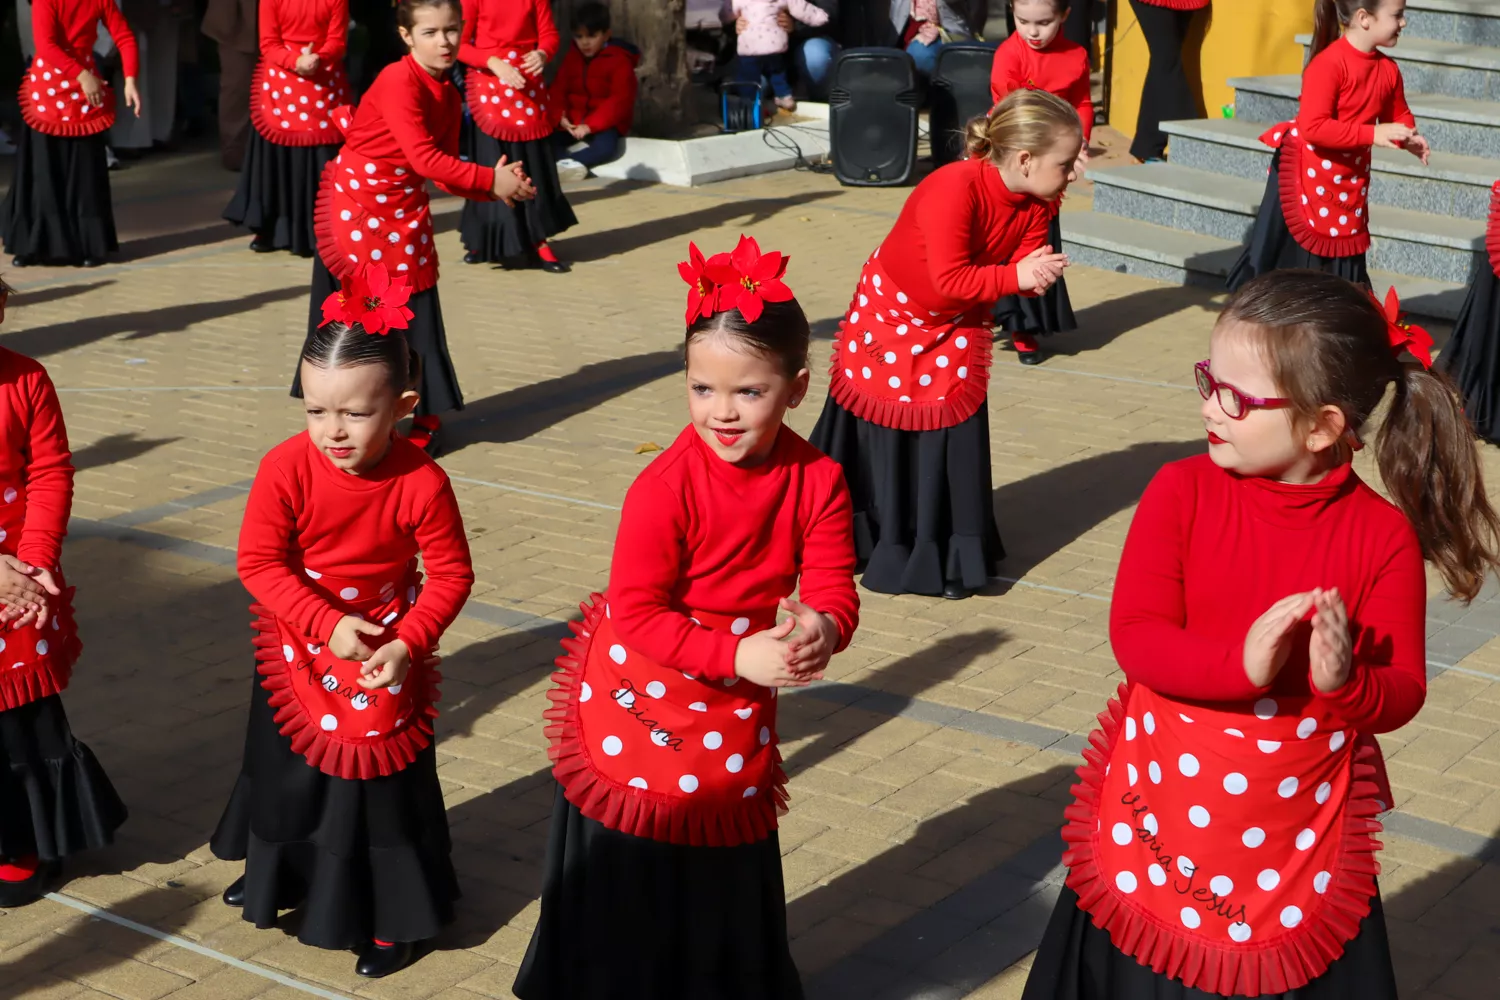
(1230, 38)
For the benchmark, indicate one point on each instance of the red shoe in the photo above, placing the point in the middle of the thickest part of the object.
(548, 261)
(1028, 351)
(424, 432)
(25, 880)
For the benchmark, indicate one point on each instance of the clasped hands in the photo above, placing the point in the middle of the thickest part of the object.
(1040, 269)
(24, 592)
(771, 659)
(531, 65)
(387, 665)
(1268, 644)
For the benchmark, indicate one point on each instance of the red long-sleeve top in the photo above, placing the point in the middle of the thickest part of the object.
(64, 32)
(506, 28)
(700, 534)
(1178, 4)
(410, 118)
(289, 26)
(1062, 68)
(959, 235)
(598, 92)
(34, 455)
(303, 512)
(1209, 552)
(1345, 92)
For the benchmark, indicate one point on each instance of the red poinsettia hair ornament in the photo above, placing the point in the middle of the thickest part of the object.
(1405, 336)
(371, 298)
(744, 279)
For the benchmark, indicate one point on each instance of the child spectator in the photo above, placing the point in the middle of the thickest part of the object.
(763, 42)
(595, 88)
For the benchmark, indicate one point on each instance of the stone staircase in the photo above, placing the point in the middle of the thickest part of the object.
(1186, 220)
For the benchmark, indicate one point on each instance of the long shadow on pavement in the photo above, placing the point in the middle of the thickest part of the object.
(116, 448)
(617, 242)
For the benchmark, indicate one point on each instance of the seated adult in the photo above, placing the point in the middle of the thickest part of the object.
(926, 26)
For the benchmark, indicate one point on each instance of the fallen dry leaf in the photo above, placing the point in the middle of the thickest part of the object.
(647, 448)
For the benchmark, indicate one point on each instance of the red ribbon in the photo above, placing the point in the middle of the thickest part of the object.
(1404, 335)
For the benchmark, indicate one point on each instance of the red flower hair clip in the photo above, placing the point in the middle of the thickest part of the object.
(745, 279)
(371, 298)
(1405, 336)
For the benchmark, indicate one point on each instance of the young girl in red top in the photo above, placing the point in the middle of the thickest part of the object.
(506, 46)
(1165, 93)
(1316, 212)
(906, 414)
(1472, 354)
(372, 201)
(663, 864)
(58, 209)
(55, 799)
(1037, 56)
(297, 86)
(1269, 618)
(337, 810)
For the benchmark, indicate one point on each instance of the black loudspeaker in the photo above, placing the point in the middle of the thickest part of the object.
(872, 125)
(960, 91)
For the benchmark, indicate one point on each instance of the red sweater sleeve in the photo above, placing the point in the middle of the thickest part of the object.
(1388, 680)
(617, 109)
(450, 573)
(827, 579)
(946, 217)
(336, 41)
(265, 539)
(273, 49)
(1080, 94)
(648, 559)
(1317, 110)
(408, 126)
(124, 38)
(1005, 73)
(51, 37)
(469, 53)
(1148, 612)
(49, 477)
(547, 37)
(1399, 110)
(568, 83)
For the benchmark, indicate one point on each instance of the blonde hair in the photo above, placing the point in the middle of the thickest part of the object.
(1026, 119)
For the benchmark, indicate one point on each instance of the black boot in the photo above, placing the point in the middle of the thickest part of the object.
(380, 960)
(14, 894)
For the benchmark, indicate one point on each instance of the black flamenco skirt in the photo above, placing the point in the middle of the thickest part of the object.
(1050, 312)
(55, 799)
(496, 231)
(1078, 961)
(277, 190)
(1472, 356)
(438, 382)
(627, 918)
(58, 210)
(1273, 248)
(369, 859)
(924, 510)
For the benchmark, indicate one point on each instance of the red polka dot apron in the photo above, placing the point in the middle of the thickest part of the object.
(294, 110)
(374, 212)
(1231, 848)
(1324, 193)
(1492, 230)
(898, 364)
(516, 114)
(342, 729)
(35, 661)
(658, 753)
(53, 103)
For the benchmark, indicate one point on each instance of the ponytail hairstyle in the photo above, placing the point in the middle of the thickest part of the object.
(346, 345)
(1328, 343)
(406, 10)
(1026, 119)
(1332, 16)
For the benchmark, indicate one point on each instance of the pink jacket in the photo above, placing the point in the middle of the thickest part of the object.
(763, 37)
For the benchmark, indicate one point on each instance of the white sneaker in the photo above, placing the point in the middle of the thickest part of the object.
(569, 169)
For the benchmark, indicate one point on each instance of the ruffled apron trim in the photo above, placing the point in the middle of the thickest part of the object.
(1291, 189)
(637, 811)
(46, 666)
(508, 113)
(75, 118)
(349, 759)
(276, 123)
(1227, 969)
(1492, 230)
(960, 403)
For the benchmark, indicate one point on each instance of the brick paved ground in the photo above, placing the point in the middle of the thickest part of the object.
(928, 778)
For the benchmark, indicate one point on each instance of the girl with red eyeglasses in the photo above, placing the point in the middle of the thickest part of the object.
(1268, 616)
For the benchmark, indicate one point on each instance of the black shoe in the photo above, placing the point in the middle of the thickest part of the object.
(22, 260)
(379, 960)
(14, 894)
(956, 591)
(1030, 357)
(553, 266)
(235, 894)
(90, 262)
(262, 244)
(471, 257)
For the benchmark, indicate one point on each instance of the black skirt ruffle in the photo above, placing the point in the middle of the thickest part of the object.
(55, 799)
(1078, 961)
(58, 209)
(923, 500)
(370, 859)
(1273, 248)
(1472, 356)
(1050, 312)
(497, 231)
(277, 191)
(627, 918)
(438, 384)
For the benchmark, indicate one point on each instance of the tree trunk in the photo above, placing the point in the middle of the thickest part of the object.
(659, 29)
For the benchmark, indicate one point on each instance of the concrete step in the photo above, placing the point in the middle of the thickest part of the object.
(1476, 22)
(1458, 69)
(1210, 204)
(1453, 185)
(1129, 246)
(1453, 124)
